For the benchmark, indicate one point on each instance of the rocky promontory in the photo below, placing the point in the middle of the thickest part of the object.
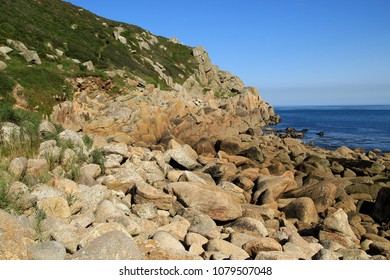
(150, 116)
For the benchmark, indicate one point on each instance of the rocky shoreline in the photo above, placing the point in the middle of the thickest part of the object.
(243, 197)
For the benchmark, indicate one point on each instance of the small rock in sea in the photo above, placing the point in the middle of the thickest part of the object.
(290, 129)
(321, 133)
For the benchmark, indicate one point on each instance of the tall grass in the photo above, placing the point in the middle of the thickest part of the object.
(25, 141)
(8, 201)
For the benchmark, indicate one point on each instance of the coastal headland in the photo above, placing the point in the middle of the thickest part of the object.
(171, 167)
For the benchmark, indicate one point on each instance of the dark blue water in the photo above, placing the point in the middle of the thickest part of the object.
(366, 127)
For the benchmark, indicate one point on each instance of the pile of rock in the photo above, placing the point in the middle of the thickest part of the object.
(246, 197)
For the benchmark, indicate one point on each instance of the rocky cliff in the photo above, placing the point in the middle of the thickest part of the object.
(210, 104)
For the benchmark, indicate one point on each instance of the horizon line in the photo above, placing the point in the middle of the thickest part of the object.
(325, 105)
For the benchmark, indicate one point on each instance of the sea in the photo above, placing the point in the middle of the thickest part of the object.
(366, 127)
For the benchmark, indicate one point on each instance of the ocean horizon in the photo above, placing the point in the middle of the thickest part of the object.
(354, 126)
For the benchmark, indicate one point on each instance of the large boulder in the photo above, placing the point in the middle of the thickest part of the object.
(303, 209)
(338, 222)
(381, 210)
(107, 212)
(46, 130)
(9, 133)
(17, 45)
(91, 197)
(323, 194)
(226, 248)
(49, 250)
(178, 227)
(269, 188)
(55, 207)
(200, 223)
(219, 205)
(14, 238)
(99, 230)
(113, 245)
(145, 193)
(116, 149)
(69, 137)
(249, 226)
(123, 180)
(184, 156)
(263, 244)
(31, 56)
(165, 239)
(59, 230)
(17, 167)
(152, 250)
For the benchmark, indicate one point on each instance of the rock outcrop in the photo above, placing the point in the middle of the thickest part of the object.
(210, 103)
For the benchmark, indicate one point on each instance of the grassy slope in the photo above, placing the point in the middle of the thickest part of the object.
(39, 22)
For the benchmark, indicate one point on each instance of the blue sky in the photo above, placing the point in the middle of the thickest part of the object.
(296, 52)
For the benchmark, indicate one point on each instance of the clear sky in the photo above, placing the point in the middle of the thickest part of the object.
(296, 52)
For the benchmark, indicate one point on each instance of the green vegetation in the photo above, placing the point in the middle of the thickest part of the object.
(6, 86)
(40, 216)
(50, 26)
(224, 94)
(98, 158)
(25, 141)
(88, 142)
(8, 201)
(63, 34)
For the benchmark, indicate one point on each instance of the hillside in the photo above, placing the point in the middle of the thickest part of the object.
(63, 34)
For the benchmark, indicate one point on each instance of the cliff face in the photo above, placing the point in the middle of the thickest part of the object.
(210, 104)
